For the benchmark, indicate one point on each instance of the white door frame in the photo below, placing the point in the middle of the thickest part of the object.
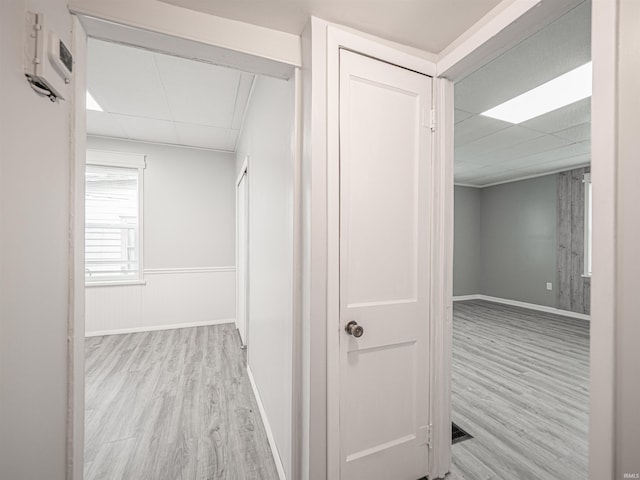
(225, 42)
(244, 173)
(340, 38)
(479, 47)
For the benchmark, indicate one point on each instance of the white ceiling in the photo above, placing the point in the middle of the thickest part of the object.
(489, 151)
(429, 25)
(160, 98)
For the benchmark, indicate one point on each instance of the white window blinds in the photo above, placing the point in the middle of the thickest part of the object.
(112, 223)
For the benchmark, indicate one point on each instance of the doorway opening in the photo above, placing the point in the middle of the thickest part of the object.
(522, 256)
(166, 260)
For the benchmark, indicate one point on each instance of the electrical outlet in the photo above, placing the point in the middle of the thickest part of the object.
(549, 286)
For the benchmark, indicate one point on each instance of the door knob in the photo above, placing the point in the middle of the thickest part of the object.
(352, 328)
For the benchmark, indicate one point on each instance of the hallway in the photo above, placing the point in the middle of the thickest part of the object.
(172, 404)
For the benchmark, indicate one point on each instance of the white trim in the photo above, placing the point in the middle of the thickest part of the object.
(296, 276)
(441, 281)
(166, 271)
(456, 184)
(155, 328)
(115, 283)
(244, 41)
(587, 254)
(267, 426)
(243, 169)
(162, 144)
(109, 158)
(526, 177)
(530, 306)
(462, 298)
(76, 299)
(604, 285)
(244, 173)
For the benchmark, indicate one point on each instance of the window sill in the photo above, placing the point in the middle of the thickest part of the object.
(584, 275)
(115, 283)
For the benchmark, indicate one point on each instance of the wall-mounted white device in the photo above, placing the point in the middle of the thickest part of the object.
(48, 61)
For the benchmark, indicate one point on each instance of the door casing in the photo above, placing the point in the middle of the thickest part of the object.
(177, 30)
(242, 253)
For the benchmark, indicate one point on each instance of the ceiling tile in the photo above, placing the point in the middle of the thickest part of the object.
(528, 149)
(474, 151)
(202, 136)
(556, 154)
(148, 129)
(198, 93)
(556, 49)
(124, 80)
(579, 133)
(556, 140)
(103, 123)
(460, 115)
(574, 114)
(242, 100)
(476, 127)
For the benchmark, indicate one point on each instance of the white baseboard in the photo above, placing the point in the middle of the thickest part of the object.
(462, 298)
(159, 327)
(267, 427)
(531, 306)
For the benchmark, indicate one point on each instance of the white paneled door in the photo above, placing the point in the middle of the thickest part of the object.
(385, 164)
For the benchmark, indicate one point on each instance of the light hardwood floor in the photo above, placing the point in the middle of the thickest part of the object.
(521, 388)
(172, 405)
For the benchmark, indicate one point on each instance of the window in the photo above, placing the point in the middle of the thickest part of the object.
(588, 204)
(113, 217)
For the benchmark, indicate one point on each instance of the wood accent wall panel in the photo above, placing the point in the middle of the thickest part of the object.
(573, 290)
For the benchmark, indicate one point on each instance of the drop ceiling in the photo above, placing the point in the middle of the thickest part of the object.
(154, 97)
(489, 151)
(429, 25)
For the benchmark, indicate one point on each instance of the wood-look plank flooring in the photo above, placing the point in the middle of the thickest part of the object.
(172, 405)
(521, 388)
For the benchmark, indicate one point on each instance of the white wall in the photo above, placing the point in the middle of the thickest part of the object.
(34, 254)
(189, 243)
(267, 139)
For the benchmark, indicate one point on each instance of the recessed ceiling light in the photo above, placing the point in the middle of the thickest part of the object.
(92, 104)
(563, 90)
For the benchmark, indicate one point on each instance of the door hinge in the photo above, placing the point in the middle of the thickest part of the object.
(432, 121)
(424, 435)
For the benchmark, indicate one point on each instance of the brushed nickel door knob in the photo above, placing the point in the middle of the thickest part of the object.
(352, 328)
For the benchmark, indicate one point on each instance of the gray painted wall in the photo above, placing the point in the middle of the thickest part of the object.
(518, 229)
(504, 242)
(466, 248)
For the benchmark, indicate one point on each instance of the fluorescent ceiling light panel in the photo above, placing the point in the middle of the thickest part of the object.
(559, 92)
(92, 104)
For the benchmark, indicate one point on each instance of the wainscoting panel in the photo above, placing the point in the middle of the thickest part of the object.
(170, 298)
